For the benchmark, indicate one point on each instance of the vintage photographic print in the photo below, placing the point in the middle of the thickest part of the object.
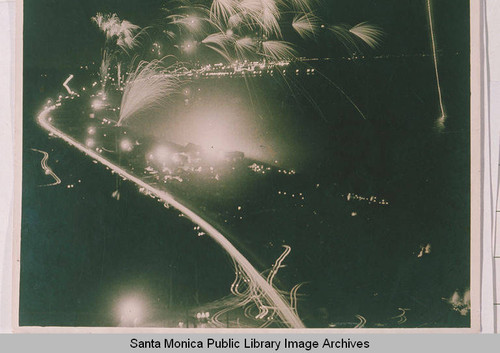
(246, 164)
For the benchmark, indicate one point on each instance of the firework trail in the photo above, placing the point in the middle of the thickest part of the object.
(46, 169)
(244, 46)
(370, 34)
(306, 25)
(278, 50)
(123, 33)
(243, 29)
(222, 10)
(442, 117)
(121, 37)
(147, 87)
(362, 33)
(104, 68)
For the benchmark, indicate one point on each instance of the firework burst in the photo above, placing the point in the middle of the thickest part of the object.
(306, 25)
(244, 45)
(222, 10)
(219, 42)
(370, 34)
(303, 5)
(146, 88)
(278, 50)
(127, 38)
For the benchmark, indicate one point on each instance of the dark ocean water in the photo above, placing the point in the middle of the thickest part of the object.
(82, 251)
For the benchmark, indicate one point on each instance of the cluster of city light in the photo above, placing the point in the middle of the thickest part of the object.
(203, 315)
(156, 49)
(287, 172)
(237, 69)
(198, 231)
(259, 168)
(372, 199)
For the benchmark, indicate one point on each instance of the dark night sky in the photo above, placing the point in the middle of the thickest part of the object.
(59, 33)
(75, 254)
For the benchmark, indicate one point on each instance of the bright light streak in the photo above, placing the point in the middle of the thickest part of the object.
(293, 296)
(282, 308)
(277, 264)
(97, 104)
(189, 46)
(147, 87)
(362, 321)
(402, 317)
(65, 84)
(442, 117)
(368, 33)
(305, 25)
(46, 168)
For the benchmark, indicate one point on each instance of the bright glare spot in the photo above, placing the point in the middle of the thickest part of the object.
(189, 47)
(131, 310)
(126, 145)
(90, 142)
(161, 154)
(91, 130)
(97, 104)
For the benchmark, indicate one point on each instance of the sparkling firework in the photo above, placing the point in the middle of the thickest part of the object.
(278, 50)
(146, 88)
(370, 34)
(305, 25)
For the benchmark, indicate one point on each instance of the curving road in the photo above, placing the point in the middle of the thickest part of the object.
(283, 309)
